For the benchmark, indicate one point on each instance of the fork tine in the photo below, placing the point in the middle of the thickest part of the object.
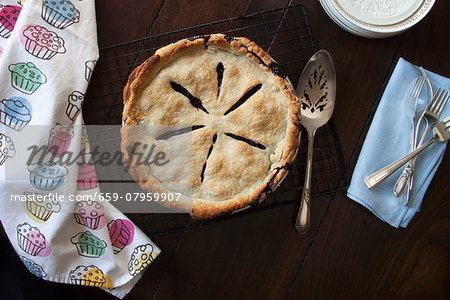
(413, 89)
(436, 98)
(417, 87)
(446, 122)
(442, 103)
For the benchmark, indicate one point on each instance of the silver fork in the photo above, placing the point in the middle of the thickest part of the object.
(413, 100)
(433, 112)
(441, 134)
(411, 108)
(431, 116)
(412, 111)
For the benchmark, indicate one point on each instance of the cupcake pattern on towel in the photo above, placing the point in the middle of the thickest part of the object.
(47, 176)
(33, 267)
(25, 77)
(60, 13)
(15, 112)
(30, 239)
(90, 276)
(84, 148)
(59, 139)
(89, 68)
(87, 178)
(41, 206)
(7, 148)
(88, 245)
(42, 43)
(121, 234)
(89, 213)
(74, 107)
(8, 18)
(45, 69)
(141, 258)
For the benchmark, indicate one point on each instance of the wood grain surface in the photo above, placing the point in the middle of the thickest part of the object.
(348, 253)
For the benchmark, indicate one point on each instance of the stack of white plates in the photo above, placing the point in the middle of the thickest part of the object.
(376, 18)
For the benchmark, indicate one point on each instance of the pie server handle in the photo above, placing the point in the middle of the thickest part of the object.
(302, 221)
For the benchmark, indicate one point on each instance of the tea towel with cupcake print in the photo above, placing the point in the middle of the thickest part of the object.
(48, 52)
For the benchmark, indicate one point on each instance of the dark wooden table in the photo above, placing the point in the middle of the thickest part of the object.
(348, 252)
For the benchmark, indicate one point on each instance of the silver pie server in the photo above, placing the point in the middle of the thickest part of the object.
(316, 90)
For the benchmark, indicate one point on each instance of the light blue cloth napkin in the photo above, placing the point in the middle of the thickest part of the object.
(388, 139)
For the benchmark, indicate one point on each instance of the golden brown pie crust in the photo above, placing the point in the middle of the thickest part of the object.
(237, 174)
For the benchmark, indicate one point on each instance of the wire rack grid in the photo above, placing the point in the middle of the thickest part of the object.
(283, 33)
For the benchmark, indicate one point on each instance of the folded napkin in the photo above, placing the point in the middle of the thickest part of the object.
(48, 51)
(387, 140)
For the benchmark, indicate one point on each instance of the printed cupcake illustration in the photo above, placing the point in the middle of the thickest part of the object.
(33, 267)
(89, 68)
(141, 258)
(88, 213)
(87, 178)
(47, 176)
(75, 101)
(15, 112)
(30, 239)
(59, 139)
(121, 233)
(8, 19)
(89, 245)
(90, 276)
(60, 13)
(7, 149)
(42, 43)
(40, 206)
(26, 78)
(84, 148)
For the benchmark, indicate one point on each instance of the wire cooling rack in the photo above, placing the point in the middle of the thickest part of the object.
(286, 35)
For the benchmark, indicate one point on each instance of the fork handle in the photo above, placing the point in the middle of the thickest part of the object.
(408, 172)
(402, 181)
(379, 176)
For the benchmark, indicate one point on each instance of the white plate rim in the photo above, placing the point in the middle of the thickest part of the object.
(351, 27)
(337, 19)
(393, 28)
(381, 20)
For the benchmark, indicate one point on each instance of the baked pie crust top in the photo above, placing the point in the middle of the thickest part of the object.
(242, 113)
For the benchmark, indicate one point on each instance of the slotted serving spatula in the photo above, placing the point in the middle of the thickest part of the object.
(317, 91)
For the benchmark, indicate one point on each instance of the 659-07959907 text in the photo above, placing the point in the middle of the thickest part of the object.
(139, 197)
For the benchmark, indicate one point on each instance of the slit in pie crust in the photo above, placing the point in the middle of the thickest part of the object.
(240, 109)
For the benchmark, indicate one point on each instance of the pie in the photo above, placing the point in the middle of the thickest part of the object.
(237, 105)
